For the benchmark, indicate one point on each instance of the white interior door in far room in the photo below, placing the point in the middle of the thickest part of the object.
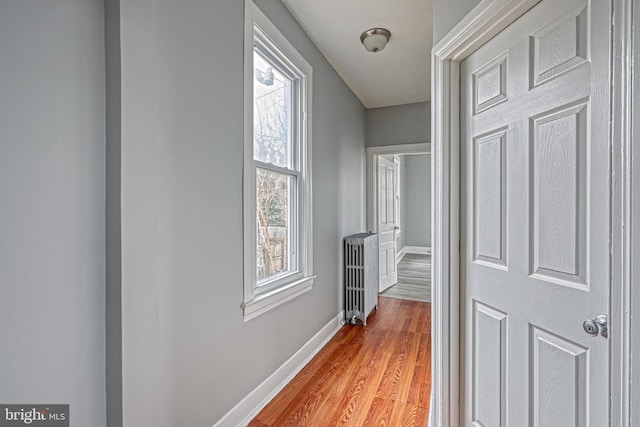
(535, 220)
(387, 223)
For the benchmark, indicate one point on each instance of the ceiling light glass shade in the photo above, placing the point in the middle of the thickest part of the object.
(375, 39)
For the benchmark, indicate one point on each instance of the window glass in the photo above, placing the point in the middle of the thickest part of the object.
(274, 210)
(273, 108)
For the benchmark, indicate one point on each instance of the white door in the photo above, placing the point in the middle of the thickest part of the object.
(387, 223)
(535, 220)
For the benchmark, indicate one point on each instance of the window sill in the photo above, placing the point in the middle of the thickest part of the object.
(260, 304)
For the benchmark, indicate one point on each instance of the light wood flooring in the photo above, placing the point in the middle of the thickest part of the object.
(414, 279)
(378, 375)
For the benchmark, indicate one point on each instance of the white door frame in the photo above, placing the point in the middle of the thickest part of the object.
(487, 19)
(372, 174)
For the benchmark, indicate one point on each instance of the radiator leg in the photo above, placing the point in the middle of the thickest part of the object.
(354, 318)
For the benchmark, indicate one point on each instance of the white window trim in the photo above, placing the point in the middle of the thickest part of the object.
(258, 302)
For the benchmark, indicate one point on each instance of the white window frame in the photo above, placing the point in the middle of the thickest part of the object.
(259, 300)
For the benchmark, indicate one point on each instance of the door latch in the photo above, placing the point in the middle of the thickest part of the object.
(597, 326)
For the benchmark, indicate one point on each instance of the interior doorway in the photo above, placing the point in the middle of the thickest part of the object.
(399, 207)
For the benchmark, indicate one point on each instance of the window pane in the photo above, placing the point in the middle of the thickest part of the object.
(272, 120)
(273, 211)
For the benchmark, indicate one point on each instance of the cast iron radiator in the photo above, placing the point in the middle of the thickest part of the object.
(360, 276)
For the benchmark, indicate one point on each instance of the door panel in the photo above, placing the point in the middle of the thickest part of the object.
(535, 219)
(387, 223)
(489, 198)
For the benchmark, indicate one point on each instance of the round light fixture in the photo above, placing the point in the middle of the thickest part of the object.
(375, 39)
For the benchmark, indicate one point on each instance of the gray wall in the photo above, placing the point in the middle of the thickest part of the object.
(400, 124)
(416, 200)
(188, 356)
(447, 13)
(113, 225)
(52, 221)
(403, 207)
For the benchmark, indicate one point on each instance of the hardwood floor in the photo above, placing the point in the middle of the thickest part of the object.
(378, 375)
(414, 279)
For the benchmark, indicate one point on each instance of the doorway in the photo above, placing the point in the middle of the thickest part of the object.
(399, 206)
(412, 207)
(389, 198)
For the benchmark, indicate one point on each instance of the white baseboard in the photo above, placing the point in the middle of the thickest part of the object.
(425, 250)
(400, 254)
(252, 404)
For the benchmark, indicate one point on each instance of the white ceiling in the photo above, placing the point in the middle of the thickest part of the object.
(400, 74)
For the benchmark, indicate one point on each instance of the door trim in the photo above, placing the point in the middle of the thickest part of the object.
(625, 33)
(486, 20)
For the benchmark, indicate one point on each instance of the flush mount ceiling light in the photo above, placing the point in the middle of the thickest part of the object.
(375, 39)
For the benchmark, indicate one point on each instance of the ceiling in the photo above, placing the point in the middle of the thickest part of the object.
(399, 74)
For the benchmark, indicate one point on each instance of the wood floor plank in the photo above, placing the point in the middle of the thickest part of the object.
(420, 384)
(413, 416)
(380, 413)
(369, 392)
(406, 379)
(424, 349)
(358, 382)
(391, 385)
(378, 375)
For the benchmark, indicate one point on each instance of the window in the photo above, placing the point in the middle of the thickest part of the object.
(277, 169)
